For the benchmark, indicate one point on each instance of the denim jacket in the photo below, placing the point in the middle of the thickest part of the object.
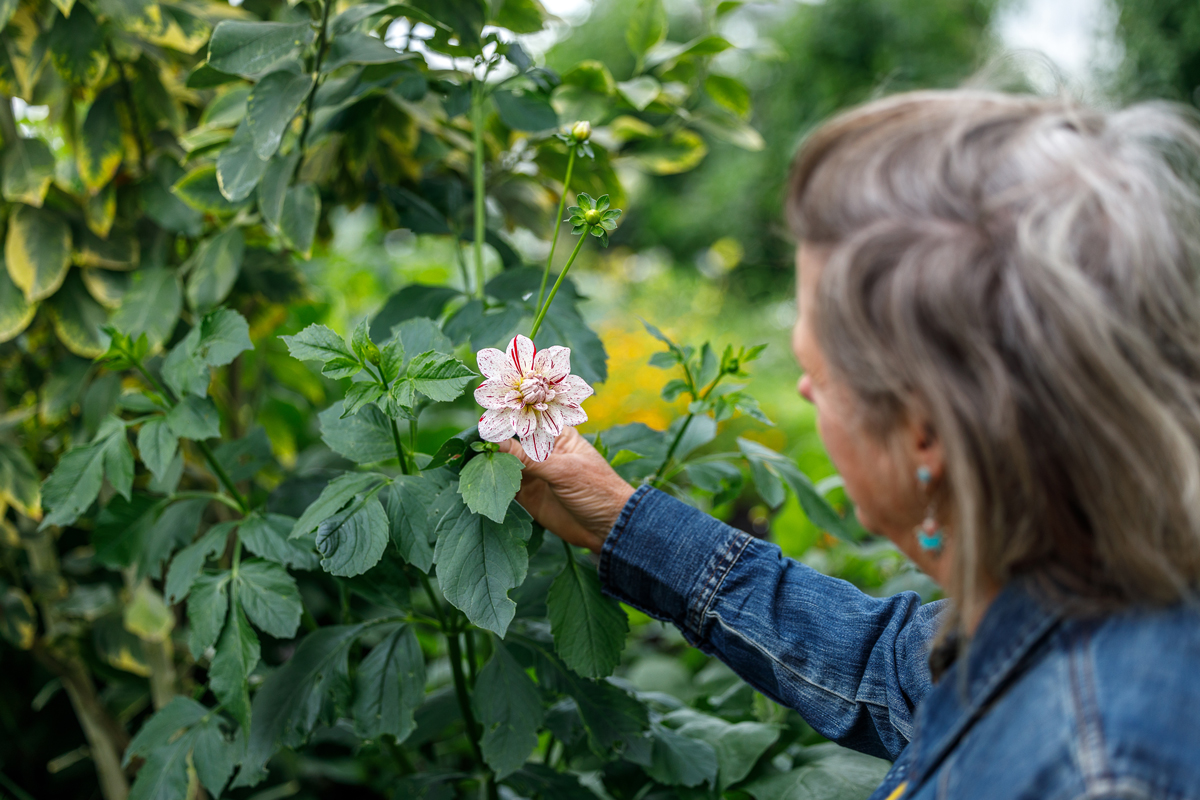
(1049, 708)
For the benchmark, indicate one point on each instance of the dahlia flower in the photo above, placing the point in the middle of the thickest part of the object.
(529, 393)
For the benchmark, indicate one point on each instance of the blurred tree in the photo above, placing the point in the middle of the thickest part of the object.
(809, 61)
(1162, 49)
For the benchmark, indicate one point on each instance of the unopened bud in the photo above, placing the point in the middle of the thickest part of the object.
(581, 130)
(592, 216)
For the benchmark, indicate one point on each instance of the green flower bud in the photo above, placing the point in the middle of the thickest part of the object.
(582, 130)
(592, 216)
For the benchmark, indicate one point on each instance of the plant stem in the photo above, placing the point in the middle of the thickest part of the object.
(399, 448)
(469, 638)
(220, 498)
(562, 201)
(477, 98)
(537, 323)
(326, 6)
(657, 477)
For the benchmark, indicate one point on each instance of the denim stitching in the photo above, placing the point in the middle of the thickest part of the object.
(1083, 696)
(695, 615)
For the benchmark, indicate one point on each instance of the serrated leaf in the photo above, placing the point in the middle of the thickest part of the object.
(194, 418)
(100, 145)
(678, 760)
(365, 437)
(353, 541)
(438, 376)
(164, 776)
(37, 251)
(272, 106)
(340, 491)
(610, 715)
(237, 655)
(207, 607)
(509, 708)
(359, 395)
(214, 269)
(270, 598)
(219, 338)
(841, 776)
(319, 343)
(390, 686)
(589, 629)
(479, 561)
(266, 535)
(157, 445)
(28, 171)
(250, 48)
(73, 485)
(188, 562)
(770, 469)
(182, 712)
(214, 755)
(410, 503)
(310, 686)
(489, 482)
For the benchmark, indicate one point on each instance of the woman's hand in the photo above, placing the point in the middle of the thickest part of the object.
(574, 493)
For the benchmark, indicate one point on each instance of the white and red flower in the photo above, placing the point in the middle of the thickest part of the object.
(529, 393)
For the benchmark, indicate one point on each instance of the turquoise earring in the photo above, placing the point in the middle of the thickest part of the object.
(929, 533)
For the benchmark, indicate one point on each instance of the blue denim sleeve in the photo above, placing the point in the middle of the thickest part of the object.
(854, 666)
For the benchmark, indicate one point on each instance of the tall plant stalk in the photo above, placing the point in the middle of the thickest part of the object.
(537, 322)
(477, 100)
(562, 202)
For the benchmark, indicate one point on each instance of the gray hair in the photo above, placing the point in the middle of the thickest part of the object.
(1022, 273)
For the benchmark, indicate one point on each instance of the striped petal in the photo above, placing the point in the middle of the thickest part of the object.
(571, 415)
(553, 363)
(573, 390)
(496, 365)
(494, 394)
(552, 419)
(521, 353)
(525, 421)
(496, 425)
(538, 445)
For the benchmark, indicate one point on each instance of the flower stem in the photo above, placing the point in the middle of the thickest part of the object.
(477, 98)
(537, 322)
(562, 202)
(399, 448)
(657, 477)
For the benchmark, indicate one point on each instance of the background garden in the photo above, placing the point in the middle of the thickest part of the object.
(234, 564)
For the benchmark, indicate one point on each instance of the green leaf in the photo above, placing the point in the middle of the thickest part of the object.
(729, 92)
(188, 562)
(77, 47)
(352, 542)
(266, 535)
(157, 445)
(389, 687)
(19, 483)
(610, 714)
(340, 491)
(526, 111)
(421, 335)
(274, 185)
(15, 311)
(521, 16)
(147, 616)
(359, 48)
(384, 584)
(175, 527)
(410, 503)
(298, 217)
(78, 319)
(201, 190)
(359, 395)
(245, 457)
(237, 655)
(319, 343)
(413, 301)
(164, 776)
(489, 482)
(360, 342)
(37, 251)
(251, 48)
(214, 269)
(239, 168)
(151, 306)
(640, 92)
(182, 712)
(678, 760)
(438, 376)
(100, 146)
(214, 755)
(272, 106)
(270, 598)
(647, 27)
(479, 561)
(364, 438)
(310, 686)
(844, 775)
(194, 418)
(74, 484)
(589, 629)
(219, 338)
(509, 708)
(769, 467)
(161, 204)
(207, 607)
(28, 171)
(122, 527)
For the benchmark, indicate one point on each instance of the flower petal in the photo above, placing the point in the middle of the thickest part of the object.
(573, 390)
(520, 353)
(495, 365)
(525, 421)
(553, 363)
(552, 419)
(538, 445)
(571, 415)
(496, 425)
(494, 394)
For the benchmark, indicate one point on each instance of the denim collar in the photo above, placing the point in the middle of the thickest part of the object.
(1014, 625)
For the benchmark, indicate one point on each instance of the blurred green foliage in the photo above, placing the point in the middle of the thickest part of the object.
(1162, 49)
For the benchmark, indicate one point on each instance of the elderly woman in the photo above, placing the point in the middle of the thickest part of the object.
(1000, 330)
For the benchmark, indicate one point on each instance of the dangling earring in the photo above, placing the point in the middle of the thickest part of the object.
(929, 533)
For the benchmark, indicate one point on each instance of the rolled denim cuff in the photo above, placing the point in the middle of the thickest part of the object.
(668, 559)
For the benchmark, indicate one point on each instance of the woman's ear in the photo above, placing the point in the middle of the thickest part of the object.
(924, 446)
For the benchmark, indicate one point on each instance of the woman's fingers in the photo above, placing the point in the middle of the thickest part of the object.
(538, 499)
